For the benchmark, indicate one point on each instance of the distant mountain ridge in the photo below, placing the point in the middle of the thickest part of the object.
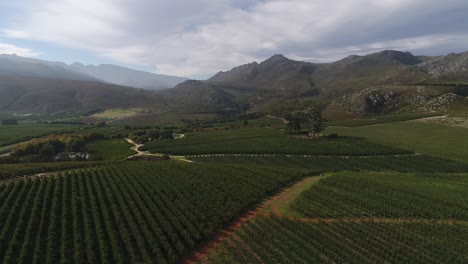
(21, 66)
(106, 73)
(382, 74)
(383, 82)
(128, 77)
(21, 94)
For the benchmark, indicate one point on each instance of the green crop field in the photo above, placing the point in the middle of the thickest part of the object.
(377, 120)
(385, 194)
(10, 171)
(112, 149)
(131, 212)
(267, 141)
(279, 240)
(11, 134)
(378, 200)
(432, 139)
(410, 163)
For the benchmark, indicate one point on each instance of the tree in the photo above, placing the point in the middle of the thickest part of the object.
(10, 122)
(75, 145)
(317, 123)
(294, 126)
(47, 152)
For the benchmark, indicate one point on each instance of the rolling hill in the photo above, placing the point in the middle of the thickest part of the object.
(44, 96)
(106, 73)
(379, 83)
(128, 77)
(20, 66)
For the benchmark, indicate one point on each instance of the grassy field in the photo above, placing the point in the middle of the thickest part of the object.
(391, 195)
(17, 133)
(377, 120)
(112, 149)
(266, 141)
(432, 139)
(117, 113)
(279, 240)
(166, 119)
(263, 121)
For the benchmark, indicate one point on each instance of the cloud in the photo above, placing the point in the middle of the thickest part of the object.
(12, 49)
(200, 37)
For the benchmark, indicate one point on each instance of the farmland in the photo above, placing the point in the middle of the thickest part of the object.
(394, 217)
(267, 141)
(364, 209)
(11, 171)
(280, 240)
(387, 195)
(11, 134)
(127, 212)
(409, 163)
(112, 149)
(249, 195)
(431, 139)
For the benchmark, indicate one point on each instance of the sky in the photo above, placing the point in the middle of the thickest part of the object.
(197, 38)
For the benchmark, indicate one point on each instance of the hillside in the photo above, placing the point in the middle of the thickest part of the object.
(20, 66)
(199, 96)
(128, 77)
(453, 66)
(377, 83)
(106, 73)
(275, 73)
(40, 95)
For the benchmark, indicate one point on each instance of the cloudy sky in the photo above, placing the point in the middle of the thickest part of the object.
(196, 38)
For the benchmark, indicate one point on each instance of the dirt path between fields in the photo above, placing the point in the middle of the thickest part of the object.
(284, 120)
(431, 118)
(278, 204)
(136, 148)
(139, 153)
(277, 199)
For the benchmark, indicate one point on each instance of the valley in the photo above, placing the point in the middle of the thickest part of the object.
(362, 160)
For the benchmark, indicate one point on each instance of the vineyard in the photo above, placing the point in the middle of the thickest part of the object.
(390, 195)
(129, 212)
(12, 134)
(279, 240)
(10, 171)
(410, 163)
(267, 141)
(111, 149)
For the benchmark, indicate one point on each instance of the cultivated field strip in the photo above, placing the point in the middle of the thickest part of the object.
(268, 141)
(129, 212)
(386, 195)
(409, 163)
(280, 240)
(10, 171)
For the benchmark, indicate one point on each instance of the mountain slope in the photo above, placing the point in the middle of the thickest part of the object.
(276, 73)
(128, 77)
(453, 66)
(199, 96)
(20, 66)
(358, 72)
(370, 79)
(40, 95)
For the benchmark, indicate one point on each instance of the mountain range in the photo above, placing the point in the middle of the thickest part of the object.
(106, 73)
(379, 83)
